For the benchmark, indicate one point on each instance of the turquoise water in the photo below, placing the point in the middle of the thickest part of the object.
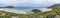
(23, 9)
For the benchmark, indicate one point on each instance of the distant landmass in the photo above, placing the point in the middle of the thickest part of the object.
(54, 6)
(7, 7)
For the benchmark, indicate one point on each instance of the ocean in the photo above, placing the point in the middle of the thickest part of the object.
(25, 8)
(21, 9)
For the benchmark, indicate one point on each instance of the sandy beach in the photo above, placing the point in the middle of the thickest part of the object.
(12, 11)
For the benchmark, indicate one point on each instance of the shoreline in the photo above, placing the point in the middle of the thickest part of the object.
(12, 11)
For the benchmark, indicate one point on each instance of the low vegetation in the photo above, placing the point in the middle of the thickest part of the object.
(37, 13)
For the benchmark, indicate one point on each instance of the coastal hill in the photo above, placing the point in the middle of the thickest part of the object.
(55, 10)
(7, 7)
(54, 6)
(54, 13)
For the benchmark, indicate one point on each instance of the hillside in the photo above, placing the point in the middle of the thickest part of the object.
(8, 7)
(54, 6)
(55, 13)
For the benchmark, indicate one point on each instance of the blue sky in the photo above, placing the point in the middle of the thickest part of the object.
(28, 3)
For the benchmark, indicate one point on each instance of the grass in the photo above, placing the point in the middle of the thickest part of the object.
(35, 15)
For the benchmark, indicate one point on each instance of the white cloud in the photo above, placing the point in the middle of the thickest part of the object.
(57, 1)
(28, 2)
(12, 1)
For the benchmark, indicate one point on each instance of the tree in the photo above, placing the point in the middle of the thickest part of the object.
(36, 10)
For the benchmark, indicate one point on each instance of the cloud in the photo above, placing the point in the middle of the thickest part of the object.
(27, 3)
(11, 1)
(57, 1)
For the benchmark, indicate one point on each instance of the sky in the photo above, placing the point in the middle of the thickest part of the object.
(28, 3)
